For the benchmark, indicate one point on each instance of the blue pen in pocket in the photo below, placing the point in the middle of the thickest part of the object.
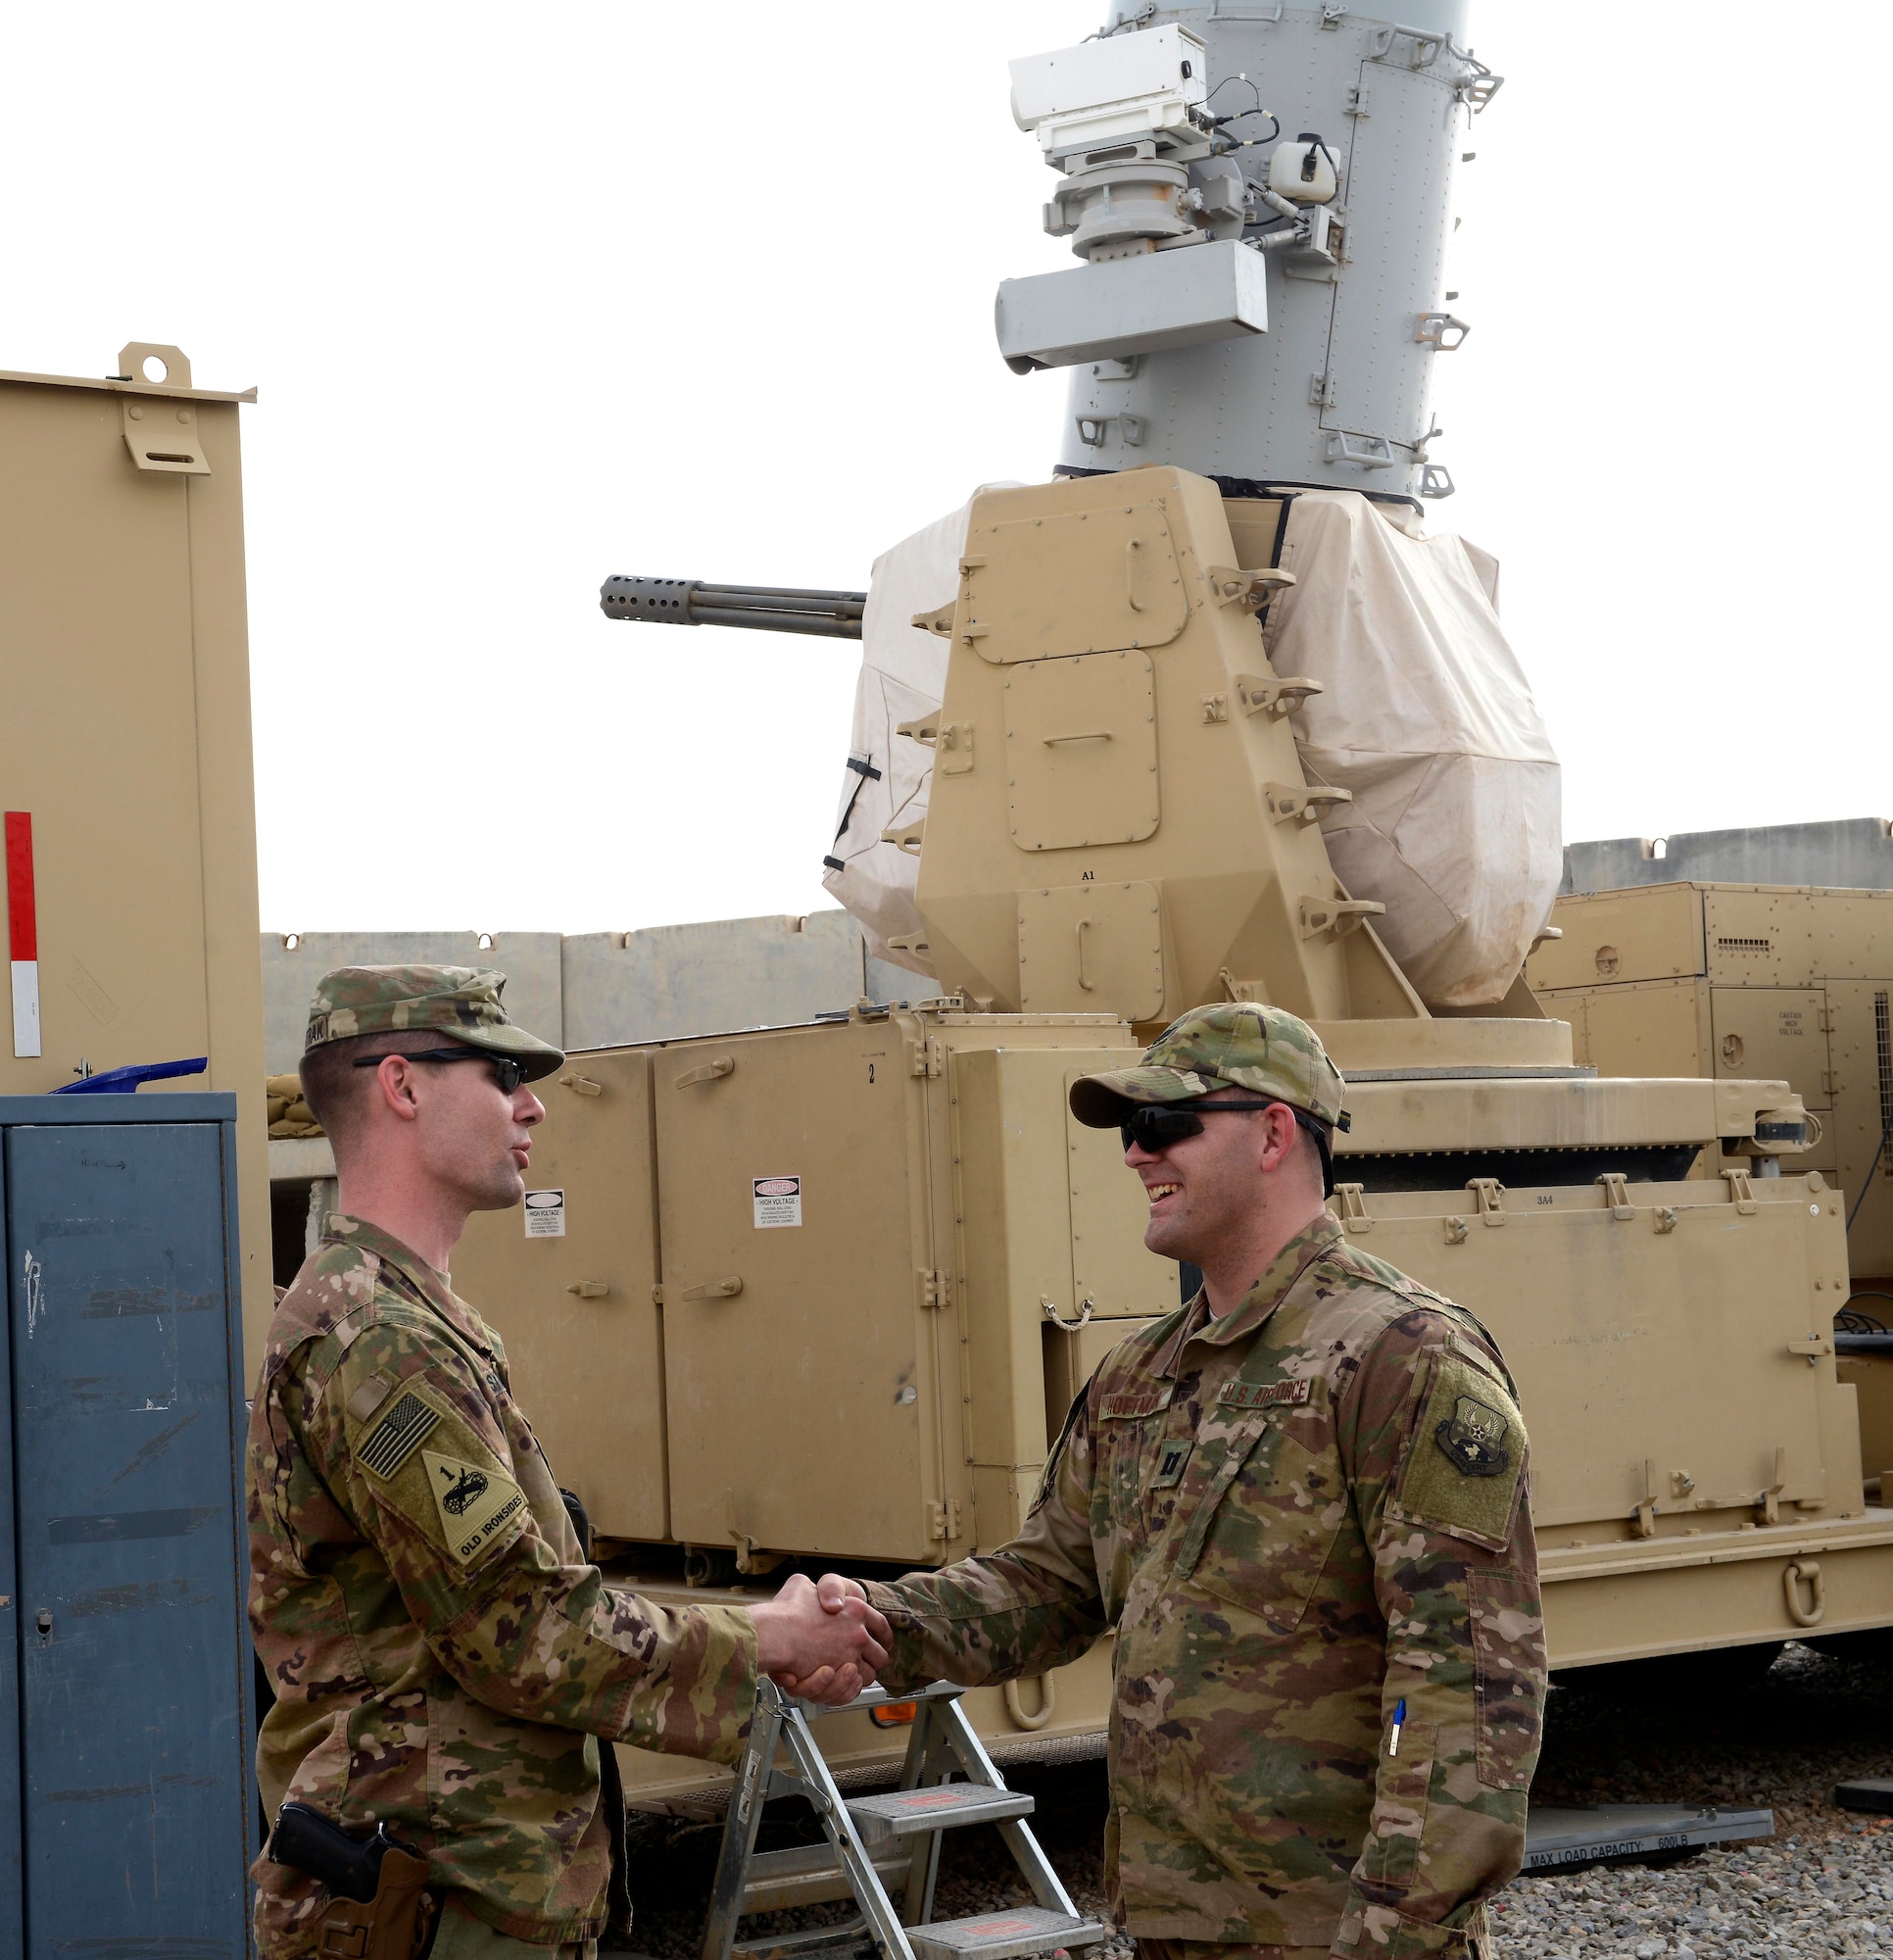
(1393, 1734)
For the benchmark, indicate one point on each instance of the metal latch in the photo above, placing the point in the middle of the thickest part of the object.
(1249, 590)
(710, 1071)
(589, 1289)
(1741, 1190)
(1617, 1193)
(581, 1085)
(939, 622)
(1286, 801)
(1488, 1194)
(714, 1290)
(1816, 1347)
(1443, 333)
(1341, 916)
(906, 836)
(1351, 1200)
(953, 739)
(1273, 698)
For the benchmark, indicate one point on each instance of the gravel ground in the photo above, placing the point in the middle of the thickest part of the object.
(1823, 1886)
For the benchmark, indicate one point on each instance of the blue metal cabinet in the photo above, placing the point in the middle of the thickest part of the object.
(126, 1797)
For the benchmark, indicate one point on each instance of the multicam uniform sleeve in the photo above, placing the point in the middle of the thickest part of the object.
(1437, 1456)
(1031, 1604)
(413, 1449)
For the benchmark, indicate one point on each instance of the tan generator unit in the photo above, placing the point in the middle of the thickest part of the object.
(125, 747)
(1731, 981)
(822, 1294)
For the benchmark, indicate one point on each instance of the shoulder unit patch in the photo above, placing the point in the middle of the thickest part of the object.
(1467, 1456)
(478, 1508)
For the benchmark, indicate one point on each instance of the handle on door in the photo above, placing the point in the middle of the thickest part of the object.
(1082, 981)
(43, 1620)
(1130, 551)
(714, 1290)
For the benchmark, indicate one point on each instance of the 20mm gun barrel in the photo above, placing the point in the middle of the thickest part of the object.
(694, 601)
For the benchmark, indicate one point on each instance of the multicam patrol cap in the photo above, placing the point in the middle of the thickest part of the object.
(461, 1002)
(1235, 1045)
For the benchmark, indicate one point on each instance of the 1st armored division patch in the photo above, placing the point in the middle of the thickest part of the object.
(479, 1508)
(1466, 1457)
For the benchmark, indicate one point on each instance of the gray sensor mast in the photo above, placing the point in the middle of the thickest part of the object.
(1260, 197)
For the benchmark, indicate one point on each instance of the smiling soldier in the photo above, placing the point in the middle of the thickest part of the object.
(445, 1658)
(1301, 1501)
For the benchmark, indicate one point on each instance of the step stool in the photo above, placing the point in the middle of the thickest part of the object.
(876, 1843)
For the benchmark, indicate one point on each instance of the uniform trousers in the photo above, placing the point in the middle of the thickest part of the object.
(461, 1937)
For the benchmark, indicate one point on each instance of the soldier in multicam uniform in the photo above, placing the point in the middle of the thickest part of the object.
(445, 1661)
(1301, 1501)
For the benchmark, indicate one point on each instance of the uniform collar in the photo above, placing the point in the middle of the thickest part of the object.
(340, 1229)
(1262, 1298)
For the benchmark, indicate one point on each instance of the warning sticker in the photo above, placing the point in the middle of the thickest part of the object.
(778, 1201)
(545, 1215)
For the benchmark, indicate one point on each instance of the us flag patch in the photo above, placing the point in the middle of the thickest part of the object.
(396, 1436)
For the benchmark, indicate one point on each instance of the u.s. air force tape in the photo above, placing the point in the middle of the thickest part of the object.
(396, 1436)
(478, 1507)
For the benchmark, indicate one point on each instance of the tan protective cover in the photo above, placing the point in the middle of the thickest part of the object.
(902, 674)
(1427, 717)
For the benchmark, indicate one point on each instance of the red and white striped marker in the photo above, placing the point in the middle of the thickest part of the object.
(22, 932)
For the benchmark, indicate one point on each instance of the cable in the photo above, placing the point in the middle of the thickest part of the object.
(1867, 1182)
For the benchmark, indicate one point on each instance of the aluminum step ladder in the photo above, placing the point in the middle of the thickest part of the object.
(880, 1842)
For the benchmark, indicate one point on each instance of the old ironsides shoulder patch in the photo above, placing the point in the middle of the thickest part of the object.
(397, 1435)
(479, 1508)
(1466, 1455)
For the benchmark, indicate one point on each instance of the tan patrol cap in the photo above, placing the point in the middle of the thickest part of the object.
(1235, 1045)
(460, 1002)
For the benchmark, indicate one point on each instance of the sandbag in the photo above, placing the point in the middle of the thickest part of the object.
(1427, 719)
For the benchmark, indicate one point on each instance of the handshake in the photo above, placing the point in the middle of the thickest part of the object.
(823, 1642)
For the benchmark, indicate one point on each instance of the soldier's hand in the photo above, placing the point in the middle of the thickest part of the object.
(835, 1592)
(821, 1652)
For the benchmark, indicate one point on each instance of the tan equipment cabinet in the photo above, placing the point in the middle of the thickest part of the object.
(1739, 981)
(124, 737)
(825, 1291)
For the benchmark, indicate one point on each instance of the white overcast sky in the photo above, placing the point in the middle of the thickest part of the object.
(536, 294)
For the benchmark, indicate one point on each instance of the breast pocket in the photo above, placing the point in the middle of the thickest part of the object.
(1271, 1528)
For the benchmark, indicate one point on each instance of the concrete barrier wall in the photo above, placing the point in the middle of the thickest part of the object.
(601, 989)
(1856, 854)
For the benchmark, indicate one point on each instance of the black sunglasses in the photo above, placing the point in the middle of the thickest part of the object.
(507, 1072)
(1152, 1125)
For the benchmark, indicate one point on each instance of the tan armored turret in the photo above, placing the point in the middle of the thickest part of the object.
(825, 1291)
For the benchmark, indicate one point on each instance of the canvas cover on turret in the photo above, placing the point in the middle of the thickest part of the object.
(1427, 717)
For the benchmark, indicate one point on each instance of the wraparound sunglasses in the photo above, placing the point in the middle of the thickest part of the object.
(507, 1072)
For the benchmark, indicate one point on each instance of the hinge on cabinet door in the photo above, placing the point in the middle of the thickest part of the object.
(1351, 1207)
(1829, 1082)
(1741, 1190)
(936, 1287)
(1488, 1193)
(1617, 1193)
(1769, 1500)
(943, 1520)
(926, 1057)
